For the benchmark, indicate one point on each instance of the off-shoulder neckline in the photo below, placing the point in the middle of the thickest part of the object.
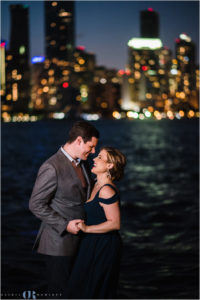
(116, 192)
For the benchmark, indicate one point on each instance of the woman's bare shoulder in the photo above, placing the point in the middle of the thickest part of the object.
(107, 192)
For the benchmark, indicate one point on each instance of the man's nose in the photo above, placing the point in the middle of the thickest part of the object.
(93, 150)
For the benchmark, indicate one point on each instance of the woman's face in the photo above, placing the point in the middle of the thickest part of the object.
(101, 164)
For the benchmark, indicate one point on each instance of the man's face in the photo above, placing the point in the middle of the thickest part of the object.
(87, 148)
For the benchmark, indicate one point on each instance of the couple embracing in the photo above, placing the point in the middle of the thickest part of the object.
(79, 236)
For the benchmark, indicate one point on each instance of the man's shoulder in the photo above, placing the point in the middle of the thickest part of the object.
(55, 160)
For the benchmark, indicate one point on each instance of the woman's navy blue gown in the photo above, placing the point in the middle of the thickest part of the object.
(96, 269)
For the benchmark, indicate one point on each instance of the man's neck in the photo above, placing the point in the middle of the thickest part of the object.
(70, 150)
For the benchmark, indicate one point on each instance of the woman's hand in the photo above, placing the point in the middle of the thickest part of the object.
(82, 226)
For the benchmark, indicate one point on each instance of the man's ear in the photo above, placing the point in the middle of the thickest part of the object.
(79, 139)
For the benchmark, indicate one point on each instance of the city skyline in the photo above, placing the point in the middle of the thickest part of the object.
(121, 22)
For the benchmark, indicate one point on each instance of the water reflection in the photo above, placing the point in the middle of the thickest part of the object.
(159, 197)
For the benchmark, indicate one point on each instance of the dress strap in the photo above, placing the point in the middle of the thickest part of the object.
(114, 188)
(112, 199)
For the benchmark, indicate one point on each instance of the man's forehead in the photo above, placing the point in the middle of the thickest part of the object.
(93, 141)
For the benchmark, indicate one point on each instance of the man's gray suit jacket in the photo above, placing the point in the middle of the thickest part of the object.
(57, 198)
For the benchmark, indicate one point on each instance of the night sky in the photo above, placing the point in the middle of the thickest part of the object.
(104, 27)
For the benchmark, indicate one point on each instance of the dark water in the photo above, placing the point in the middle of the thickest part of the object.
(159, 196)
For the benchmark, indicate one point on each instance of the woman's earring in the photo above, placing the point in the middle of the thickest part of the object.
(108, 174)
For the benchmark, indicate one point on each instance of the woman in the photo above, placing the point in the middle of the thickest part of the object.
(96, 269)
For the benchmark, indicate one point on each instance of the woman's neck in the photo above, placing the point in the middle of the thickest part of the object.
(103, 179)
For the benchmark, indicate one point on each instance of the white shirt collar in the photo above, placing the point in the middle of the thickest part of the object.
(76, 161)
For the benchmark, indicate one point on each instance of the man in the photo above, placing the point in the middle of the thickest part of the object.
(61, 188)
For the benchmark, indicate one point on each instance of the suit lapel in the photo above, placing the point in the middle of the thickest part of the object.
(87, 178)
(74, 175)
(72, 171)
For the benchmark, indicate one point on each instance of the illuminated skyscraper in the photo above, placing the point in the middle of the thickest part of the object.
(3, 69)
(17, 60)
(59, 29)
(59, 63)
(186, 75)
(149, 66)
(185, 55)
(149, 24)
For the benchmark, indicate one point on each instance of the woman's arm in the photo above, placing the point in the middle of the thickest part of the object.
(112, 213)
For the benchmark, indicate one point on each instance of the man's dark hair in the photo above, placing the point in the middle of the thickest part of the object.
(83, 129)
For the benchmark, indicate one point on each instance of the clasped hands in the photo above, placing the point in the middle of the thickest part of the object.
(74, 226)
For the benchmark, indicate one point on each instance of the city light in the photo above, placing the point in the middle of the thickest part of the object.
(3, 44)
(151, 72)
(191, 114)
(45, 89)
(185, 37)
(15, 92)
(81, 48)
(53, 101)
(170, 115)
(65, 85)
(152, 84)
(145, 43)
(37, 59)
(144, 68)
(81, 61)
(90, 117)
(84, 92)
(6, 117)
(116, 115)
(64, 14)
(157, 115)
(181, 113)
(147, 114)
(59, 116)
(148, 95)
(121, 72)
(177, 115)
(22, 50)
(141, 117)
(131, 80)
(104, 104)
(103, 80)
(174, 72)
(132, 114)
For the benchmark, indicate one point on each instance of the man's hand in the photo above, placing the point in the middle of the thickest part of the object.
(82, 226)
(72, 226)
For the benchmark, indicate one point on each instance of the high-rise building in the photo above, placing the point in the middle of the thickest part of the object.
(149, 66)
(104, 93)
(149, 24)
(19, 36)
(186, 87)
(3, 68)
(59, 29)
(50, 80)
(17, 60)
(185, 55)
(55, 91)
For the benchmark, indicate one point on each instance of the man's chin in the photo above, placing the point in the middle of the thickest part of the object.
(84, 157)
